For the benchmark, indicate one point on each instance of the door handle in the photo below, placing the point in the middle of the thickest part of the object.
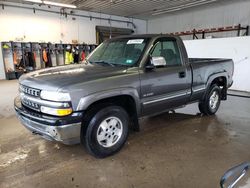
(182, 74)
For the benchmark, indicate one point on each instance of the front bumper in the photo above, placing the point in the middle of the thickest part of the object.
(63, 129)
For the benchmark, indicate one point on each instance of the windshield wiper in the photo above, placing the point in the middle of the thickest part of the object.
(103, 62)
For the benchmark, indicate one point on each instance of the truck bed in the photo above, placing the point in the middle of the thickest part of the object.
(207, 60)
(204, 68)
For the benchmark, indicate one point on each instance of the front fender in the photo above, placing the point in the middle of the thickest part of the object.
(86, 101)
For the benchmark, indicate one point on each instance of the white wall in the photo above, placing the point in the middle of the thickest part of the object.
(236, 48)
(2, 72)
(226, 13)
(50, 27)
(44, 26)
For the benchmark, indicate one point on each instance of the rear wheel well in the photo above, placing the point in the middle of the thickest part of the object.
(222, 83)
(125, 101)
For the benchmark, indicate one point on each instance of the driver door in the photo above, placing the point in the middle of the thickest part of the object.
(165, 87)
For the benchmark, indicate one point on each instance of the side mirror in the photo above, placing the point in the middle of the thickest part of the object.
(156, 62)
(234, 175)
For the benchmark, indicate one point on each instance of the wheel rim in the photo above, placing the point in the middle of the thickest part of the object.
(109, 132)
(214, 100)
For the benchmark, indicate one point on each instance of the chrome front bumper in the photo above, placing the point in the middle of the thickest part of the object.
(67, 134)
(50, 128)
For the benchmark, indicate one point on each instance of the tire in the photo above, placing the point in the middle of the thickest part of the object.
(107, 131)
(211, 102)
(201, 108)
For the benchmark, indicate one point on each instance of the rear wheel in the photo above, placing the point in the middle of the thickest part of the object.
(107, 131)
(211, 103)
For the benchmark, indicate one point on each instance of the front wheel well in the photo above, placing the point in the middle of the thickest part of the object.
(125, 101)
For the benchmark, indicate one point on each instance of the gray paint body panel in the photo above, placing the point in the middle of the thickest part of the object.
(153, 91)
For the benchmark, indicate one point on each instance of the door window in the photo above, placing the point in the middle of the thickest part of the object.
(169, 50)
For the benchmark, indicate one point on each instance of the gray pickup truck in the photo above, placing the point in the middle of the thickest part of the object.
(124, 79)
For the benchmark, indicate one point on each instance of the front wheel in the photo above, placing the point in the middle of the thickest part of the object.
(107, 131)
(211, 103)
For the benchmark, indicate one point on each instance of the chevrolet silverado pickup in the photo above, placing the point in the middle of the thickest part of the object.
(122, 80)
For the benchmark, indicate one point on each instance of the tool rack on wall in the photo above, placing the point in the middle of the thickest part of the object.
(201, 33)
(23, 57)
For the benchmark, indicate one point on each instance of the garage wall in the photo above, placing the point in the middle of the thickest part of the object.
(2, 73)
(226, 13)
(236, 48)
(50, 27)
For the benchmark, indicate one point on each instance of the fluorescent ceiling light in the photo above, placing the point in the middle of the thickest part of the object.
(59, 4)
(181, 7)
(52, 3)
(34, 1)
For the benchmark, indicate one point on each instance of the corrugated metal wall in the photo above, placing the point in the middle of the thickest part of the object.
(224, 14)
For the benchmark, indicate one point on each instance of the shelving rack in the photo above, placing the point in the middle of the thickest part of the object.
(60, 59)
(52, 50)
(36, 49)
(26, 48)
(17, 50)
(9, 66)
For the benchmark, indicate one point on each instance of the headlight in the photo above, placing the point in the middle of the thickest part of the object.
(55, 111)
(55, 96)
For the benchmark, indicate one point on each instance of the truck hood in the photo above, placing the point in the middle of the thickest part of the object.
(54, 79)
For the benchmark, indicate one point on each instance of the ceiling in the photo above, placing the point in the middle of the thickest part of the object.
(142, 9)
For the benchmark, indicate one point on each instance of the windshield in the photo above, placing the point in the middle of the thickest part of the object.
(124, 52)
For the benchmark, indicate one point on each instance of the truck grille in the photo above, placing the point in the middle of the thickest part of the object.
(30, 104)
(27, 94)
(30, 91)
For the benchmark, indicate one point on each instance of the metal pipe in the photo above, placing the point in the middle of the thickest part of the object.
(77, 15)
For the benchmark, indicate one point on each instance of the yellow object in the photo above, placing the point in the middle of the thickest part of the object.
(5, 46)
(69, 58)
(64, 112)
(55, 111)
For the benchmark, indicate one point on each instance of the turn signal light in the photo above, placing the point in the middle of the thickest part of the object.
(64, 112)
(56, 112)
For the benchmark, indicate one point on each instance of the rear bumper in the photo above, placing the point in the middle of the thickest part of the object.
(62, 129)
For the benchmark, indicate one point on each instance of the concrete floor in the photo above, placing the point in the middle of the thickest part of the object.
(172, 150)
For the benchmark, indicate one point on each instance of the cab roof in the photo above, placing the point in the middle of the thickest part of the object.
(144, 36)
